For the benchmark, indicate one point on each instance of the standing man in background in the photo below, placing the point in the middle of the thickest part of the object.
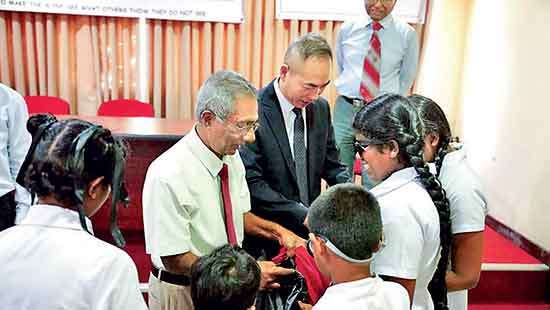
(14, 144)
(295, 146)
(375, 55)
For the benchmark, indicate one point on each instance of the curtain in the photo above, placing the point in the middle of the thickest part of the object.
(184, 54)
(82, 59)
(88, 60)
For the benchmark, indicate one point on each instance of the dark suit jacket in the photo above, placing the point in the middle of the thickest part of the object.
(270, 170)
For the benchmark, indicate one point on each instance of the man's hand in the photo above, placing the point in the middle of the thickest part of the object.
(304, 306)
(289, 240)
(270, 273)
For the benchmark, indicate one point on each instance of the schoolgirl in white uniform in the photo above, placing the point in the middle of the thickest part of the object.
(51, 260)
(415, 212)
(467, 201)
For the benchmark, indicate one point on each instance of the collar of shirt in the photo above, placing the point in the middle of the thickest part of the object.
(455, 157)
(208, 158)
(368, 286)
(386, 22)
(289, 116)
(451, 159)
(394, 181)
(54, 217)
(286, 106)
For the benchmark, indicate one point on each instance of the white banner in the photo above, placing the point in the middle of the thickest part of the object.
(412, 11)
(230, 11)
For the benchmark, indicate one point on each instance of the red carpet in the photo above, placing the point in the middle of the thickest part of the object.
(497, 249)
(513, 277)
(510, 307)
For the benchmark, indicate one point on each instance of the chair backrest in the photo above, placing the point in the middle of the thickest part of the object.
(46, 104)
(126, 107)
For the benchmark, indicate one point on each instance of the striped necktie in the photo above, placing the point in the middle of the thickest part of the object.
(370, 80)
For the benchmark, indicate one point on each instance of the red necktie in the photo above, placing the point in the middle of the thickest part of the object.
(370, 80)
(228, 210)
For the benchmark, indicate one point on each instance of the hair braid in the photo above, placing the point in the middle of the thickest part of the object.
(393, 117)
(437, 287)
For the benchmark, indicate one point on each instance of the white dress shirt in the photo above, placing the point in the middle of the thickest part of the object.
(365, 294)
(15, 141)
(411, 230)
(399, 55)
(289, 116)
(467, 203)
(182, 200)
(49, 262)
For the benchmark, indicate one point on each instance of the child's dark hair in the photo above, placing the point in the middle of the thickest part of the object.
(65, 156)
(227, 278)
(393, 117)
(349, 216)
(435, 122)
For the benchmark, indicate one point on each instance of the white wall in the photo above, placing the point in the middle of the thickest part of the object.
(498, 101)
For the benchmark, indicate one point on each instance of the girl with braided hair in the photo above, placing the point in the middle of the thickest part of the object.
(466, 200)
(51, 260)
(415, 211)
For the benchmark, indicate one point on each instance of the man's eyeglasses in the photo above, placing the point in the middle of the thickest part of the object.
(339, 253)
(245, 128)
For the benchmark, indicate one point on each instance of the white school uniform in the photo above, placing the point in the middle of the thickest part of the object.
(49, 262)
(365, 294)
(467, 203)
(411, 231)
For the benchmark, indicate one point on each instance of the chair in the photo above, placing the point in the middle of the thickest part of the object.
(126, 107)
(46, 104)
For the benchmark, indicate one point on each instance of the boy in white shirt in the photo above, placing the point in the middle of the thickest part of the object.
(345, 232)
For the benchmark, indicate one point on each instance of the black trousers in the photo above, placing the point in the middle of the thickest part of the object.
(7, 210)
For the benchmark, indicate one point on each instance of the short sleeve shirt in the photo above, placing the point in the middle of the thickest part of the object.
(369, 293)
(411, 230)
(465, 193)
(182, 200)
(49, 262)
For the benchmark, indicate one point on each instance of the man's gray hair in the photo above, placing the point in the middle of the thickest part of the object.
(220, 91)
(308, 45)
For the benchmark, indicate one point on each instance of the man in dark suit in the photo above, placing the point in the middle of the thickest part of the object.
(295, 146)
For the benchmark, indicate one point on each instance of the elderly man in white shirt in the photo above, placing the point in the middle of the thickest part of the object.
(14, 144)
(195, 196)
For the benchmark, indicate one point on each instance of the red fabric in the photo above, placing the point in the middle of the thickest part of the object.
(126, 107)
(229, 225)
(357, 166)
(46, 104)
(370, 81)
(316, 282)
